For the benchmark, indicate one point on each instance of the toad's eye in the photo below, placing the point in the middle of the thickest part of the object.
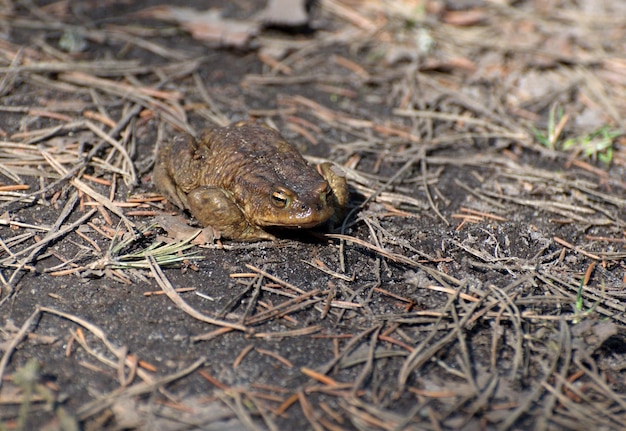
(280, 199)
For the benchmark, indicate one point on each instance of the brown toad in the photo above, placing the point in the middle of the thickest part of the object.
(245, 177)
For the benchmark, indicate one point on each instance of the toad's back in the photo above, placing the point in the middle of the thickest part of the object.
(250, 159)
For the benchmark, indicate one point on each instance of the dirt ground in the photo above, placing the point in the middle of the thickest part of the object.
(477, 282)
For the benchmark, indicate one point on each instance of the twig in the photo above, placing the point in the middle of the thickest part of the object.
(52, 235)
(164, 283)
(15, 341)
(94, 407)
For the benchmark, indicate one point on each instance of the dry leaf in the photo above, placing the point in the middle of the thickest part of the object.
(178, 230)
(207, 26)
(291, 13)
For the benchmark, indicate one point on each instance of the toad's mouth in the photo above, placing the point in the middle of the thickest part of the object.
(298, 220)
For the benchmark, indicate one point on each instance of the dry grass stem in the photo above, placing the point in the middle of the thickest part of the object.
(176, 299)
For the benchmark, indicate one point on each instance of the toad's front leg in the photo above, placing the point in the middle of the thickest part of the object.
(213, 206)
(340, 195)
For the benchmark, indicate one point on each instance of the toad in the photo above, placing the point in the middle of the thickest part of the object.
(245, 178)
